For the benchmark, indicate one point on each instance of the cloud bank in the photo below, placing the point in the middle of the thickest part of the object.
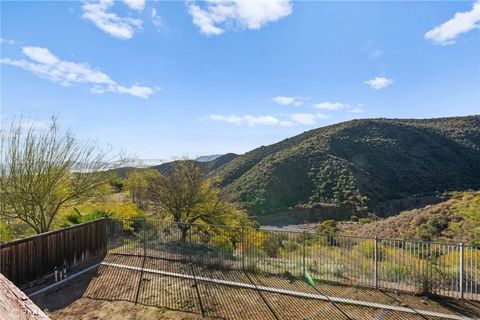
(118, 27)
(217, 16)
(46, 65)
(287, 101)
(461, 22)
(307, 119)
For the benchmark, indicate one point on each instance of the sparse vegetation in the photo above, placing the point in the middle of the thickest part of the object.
(454, 220)
(357, 165)
(327, 227)
(45, 170)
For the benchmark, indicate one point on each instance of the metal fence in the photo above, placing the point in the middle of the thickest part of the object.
(414, 266)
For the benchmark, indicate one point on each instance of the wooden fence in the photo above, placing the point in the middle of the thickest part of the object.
(32, 258)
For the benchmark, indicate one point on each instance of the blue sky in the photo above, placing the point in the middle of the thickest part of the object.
(168, 79)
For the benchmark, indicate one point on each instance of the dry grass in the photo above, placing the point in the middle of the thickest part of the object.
(409, 224)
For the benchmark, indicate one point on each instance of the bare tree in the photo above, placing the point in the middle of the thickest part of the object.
(188, 195)
(44, 169)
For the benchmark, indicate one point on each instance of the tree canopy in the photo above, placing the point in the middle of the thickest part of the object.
(188, 195)
(45, 169)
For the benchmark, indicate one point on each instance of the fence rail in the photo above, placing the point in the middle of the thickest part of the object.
(32, 258)
(414, 266)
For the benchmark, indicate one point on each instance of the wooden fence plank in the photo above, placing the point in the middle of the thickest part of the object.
(29, 259)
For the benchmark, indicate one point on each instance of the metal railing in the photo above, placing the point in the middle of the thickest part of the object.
(414, 266)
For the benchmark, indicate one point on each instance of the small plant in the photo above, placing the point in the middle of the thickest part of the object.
(367, 249)
(394, 272)
(224, 244)
(364, 220)
(339, 270)
(77, 217)
(327, 227)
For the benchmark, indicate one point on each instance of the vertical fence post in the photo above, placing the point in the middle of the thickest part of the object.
(242, 241)
(462, 276)
(106, 231)
(144, 237)
(375, 267)
(190, 245)
(304, 254)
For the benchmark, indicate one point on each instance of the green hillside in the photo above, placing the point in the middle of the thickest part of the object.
(358, 165)
(455, 219)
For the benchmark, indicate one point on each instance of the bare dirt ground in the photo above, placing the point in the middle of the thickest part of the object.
(119, 293)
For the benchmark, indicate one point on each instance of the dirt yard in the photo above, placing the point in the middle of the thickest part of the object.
(111, 292)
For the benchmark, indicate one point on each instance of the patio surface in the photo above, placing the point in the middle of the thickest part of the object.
(134, 287)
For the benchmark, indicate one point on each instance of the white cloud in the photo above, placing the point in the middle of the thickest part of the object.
(321, 116)
(118, 27)
(46, 65)
(138, 5)
(308, 119)
(304, 118)
(248, 120)
(40, 55)
(156, 20)
(203, 20)
(6, 41)
(262, 120)
(252, 121)
(219, 15)
(333, 106)
(286, 101)
(356, 109)
(230, 119)
(379, 82)
(461, 22)
(329, 105)
(135, 90)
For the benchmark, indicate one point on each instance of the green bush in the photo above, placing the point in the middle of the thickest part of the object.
(5, 233)
(394, 272)
(224, 243)
(273, 243)
(364, 220)
(291, 246)
(327, 227)
(432, 228)
(76, 217)
(367, 248)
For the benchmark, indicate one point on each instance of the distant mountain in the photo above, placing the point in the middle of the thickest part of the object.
(143, 163)
(208, 158)
(209, 166)
(358, 166)
(135, 164)
(213, 165)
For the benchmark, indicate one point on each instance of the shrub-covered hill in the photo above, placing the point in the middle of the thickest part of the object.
(208, 166)
(455, 219)
(357, 165)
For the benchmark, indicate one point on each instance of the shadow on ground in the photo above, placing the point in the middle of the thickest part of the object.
(195, 298)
